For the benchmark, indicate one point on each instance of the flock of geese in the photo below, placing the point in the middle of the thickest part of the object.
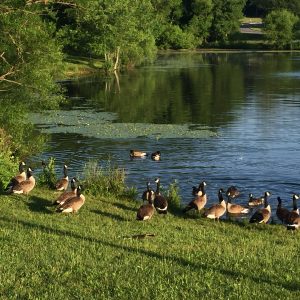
(67, 201)
(71, 201)
(262, 214)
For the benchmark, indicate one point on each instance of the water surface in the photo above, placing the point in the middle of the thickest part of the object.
(250, 101)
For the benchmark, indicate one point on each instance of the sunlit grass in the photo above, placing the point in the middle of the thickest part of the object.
(95, 254)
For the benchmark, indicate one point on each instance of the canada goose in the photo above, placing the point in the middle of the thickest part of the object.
(73, 204)
(146, 211)
(281, 212)
(255, 201)
(66, 195)
(137, 153)
(155, 155)
(25, 186)
(160, 202)
(217, 210)
(235, 208)
(198, 191)
(21, 176)
(62, 184)
(233, 192)
(201, 198)
(294, 225)
(262, 215)
(294, 214)
(145, 195)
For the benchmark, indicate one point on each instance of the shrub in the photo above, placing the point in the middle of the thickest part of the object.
(174, 197)
(279, 28)
(8, 166)
(104, 180)
(48, 177)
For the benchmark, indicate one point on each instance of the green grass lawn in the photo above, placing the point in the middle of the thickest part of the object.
(94, 255)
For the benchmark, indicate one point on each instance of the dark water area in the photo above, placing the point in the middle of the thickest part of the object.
(250, 100)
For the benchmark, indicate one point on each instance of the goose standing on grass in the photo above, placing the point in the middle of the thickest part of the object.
(25, 186)
(62, 184)
(73, 204)
(66, 195)
(294, 213)
(294, 225)
(160, 202)
(137, 154)
(217, 210)
(155, 155)
(233, 192)
(21, 176)
(235, 208)
(281, 212)
(145, 195)
(146, 211)
(252, 202)
(262, 215)
(200, 200)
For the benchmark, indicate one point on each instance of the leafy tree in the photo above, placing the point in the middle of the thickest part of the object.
(266, 6)
(279, 26)
(119, 31)
(200, 19)
(226, 15)
(167, 29)
(30, 60)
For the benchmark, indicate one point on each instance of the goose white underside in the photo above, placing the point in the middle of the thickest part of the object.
(211, 216)
(18, 192)
(68, 210)
(162, 209)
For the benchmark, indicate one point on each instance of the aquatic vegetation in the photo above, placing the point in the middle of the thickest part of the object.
(48, 177)
(104, 179)
(104, 125)
(174, 197)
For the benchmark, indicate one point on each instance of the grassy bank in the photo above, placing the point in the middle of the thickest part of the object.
(95, 255)
(81, 66)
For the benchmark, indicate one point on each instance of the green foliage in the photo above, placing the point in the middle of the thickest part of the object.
(174, 198)
(104, 180)
(266, 6)
(103, 27)
(226, 16)
(30, 60)
(48, 177)
(279, 28)
(173, 37)
(8, 167)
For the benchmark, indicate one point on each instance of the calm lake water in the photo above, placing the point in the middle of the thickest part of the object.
(251, 101)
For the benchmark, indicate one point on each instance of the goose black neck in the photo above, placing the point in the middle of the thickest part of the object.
(266, 200)
(279, 201)
(202, 188)
(65, 172)
(295, 207)
(157, 187)
(228, 198)
(220, 195)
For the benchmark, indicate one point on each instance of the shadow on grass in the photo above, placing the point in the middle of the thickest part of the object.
(109, 215)
(124, 207)
(291, 286)
(41, 205)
